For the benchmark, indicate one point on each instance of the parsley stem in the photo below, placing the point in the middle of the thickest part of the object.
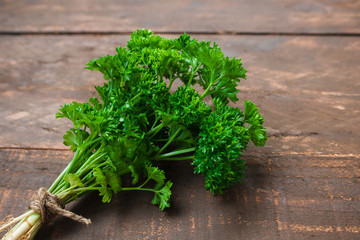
(57, 185)
(177, 158)
(169, 142)
(147, 180)
(155, 122)
(212, 82)
(138, 189)
(91, 160)
(155, 130)
(175, 153)
(135, 97)
(82, 189)
(206, 91)
(171, 80)
(192, 75)
(54, 186)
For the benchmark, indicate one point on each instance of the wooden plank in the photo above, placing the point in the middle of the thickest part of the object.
(309, 190)
(178, 16)
(307, 88)
(283, 197)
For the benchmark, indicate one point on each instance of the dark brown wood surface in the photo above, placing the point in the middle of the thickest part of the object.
(307, 87)
(304, 184)
(283, 197)
(292, 16)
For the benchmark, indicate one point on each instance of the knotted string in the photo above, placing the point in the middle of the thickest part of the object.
(49, 206)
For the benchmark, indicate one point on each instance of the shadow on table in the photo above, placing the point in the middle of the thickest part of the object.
(194, 212)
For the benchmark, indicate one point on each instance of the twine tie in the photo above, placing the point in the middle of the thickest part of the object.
(49, 206)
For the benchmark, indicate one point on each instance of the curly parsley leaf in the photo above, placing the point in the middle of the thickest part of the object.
(255, 121)
(109, 183)
(162, 195)
(222, 139)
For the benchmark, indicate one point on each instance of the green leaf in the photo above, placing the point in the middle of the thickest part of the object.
(207, 66)
(74, 138)
(162, 196)
(113, 180)
(106, 193)
(73, 180)
(188, 107)
(101, 179)
(96, 103)
(155, 174)
(222, 139)
(255, 121)
(134, 174)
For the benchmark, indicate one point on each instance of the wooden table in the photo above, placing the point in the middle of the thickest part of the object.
(303, 59)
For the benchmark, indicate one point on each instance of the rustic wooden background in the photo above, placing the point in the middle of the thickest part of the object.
(303, 59)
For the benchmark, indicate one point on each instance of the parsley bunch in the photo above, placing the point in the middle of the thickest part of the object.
(136, 121)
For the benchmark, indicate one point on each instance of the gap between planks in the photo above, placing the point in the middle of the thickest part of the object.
(75, 33)
(248, 154)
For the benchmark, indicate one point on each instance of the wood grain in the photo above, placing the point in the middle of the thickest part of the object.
(232, 16)
(302, 185)
(283, 197)
(306, 87)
